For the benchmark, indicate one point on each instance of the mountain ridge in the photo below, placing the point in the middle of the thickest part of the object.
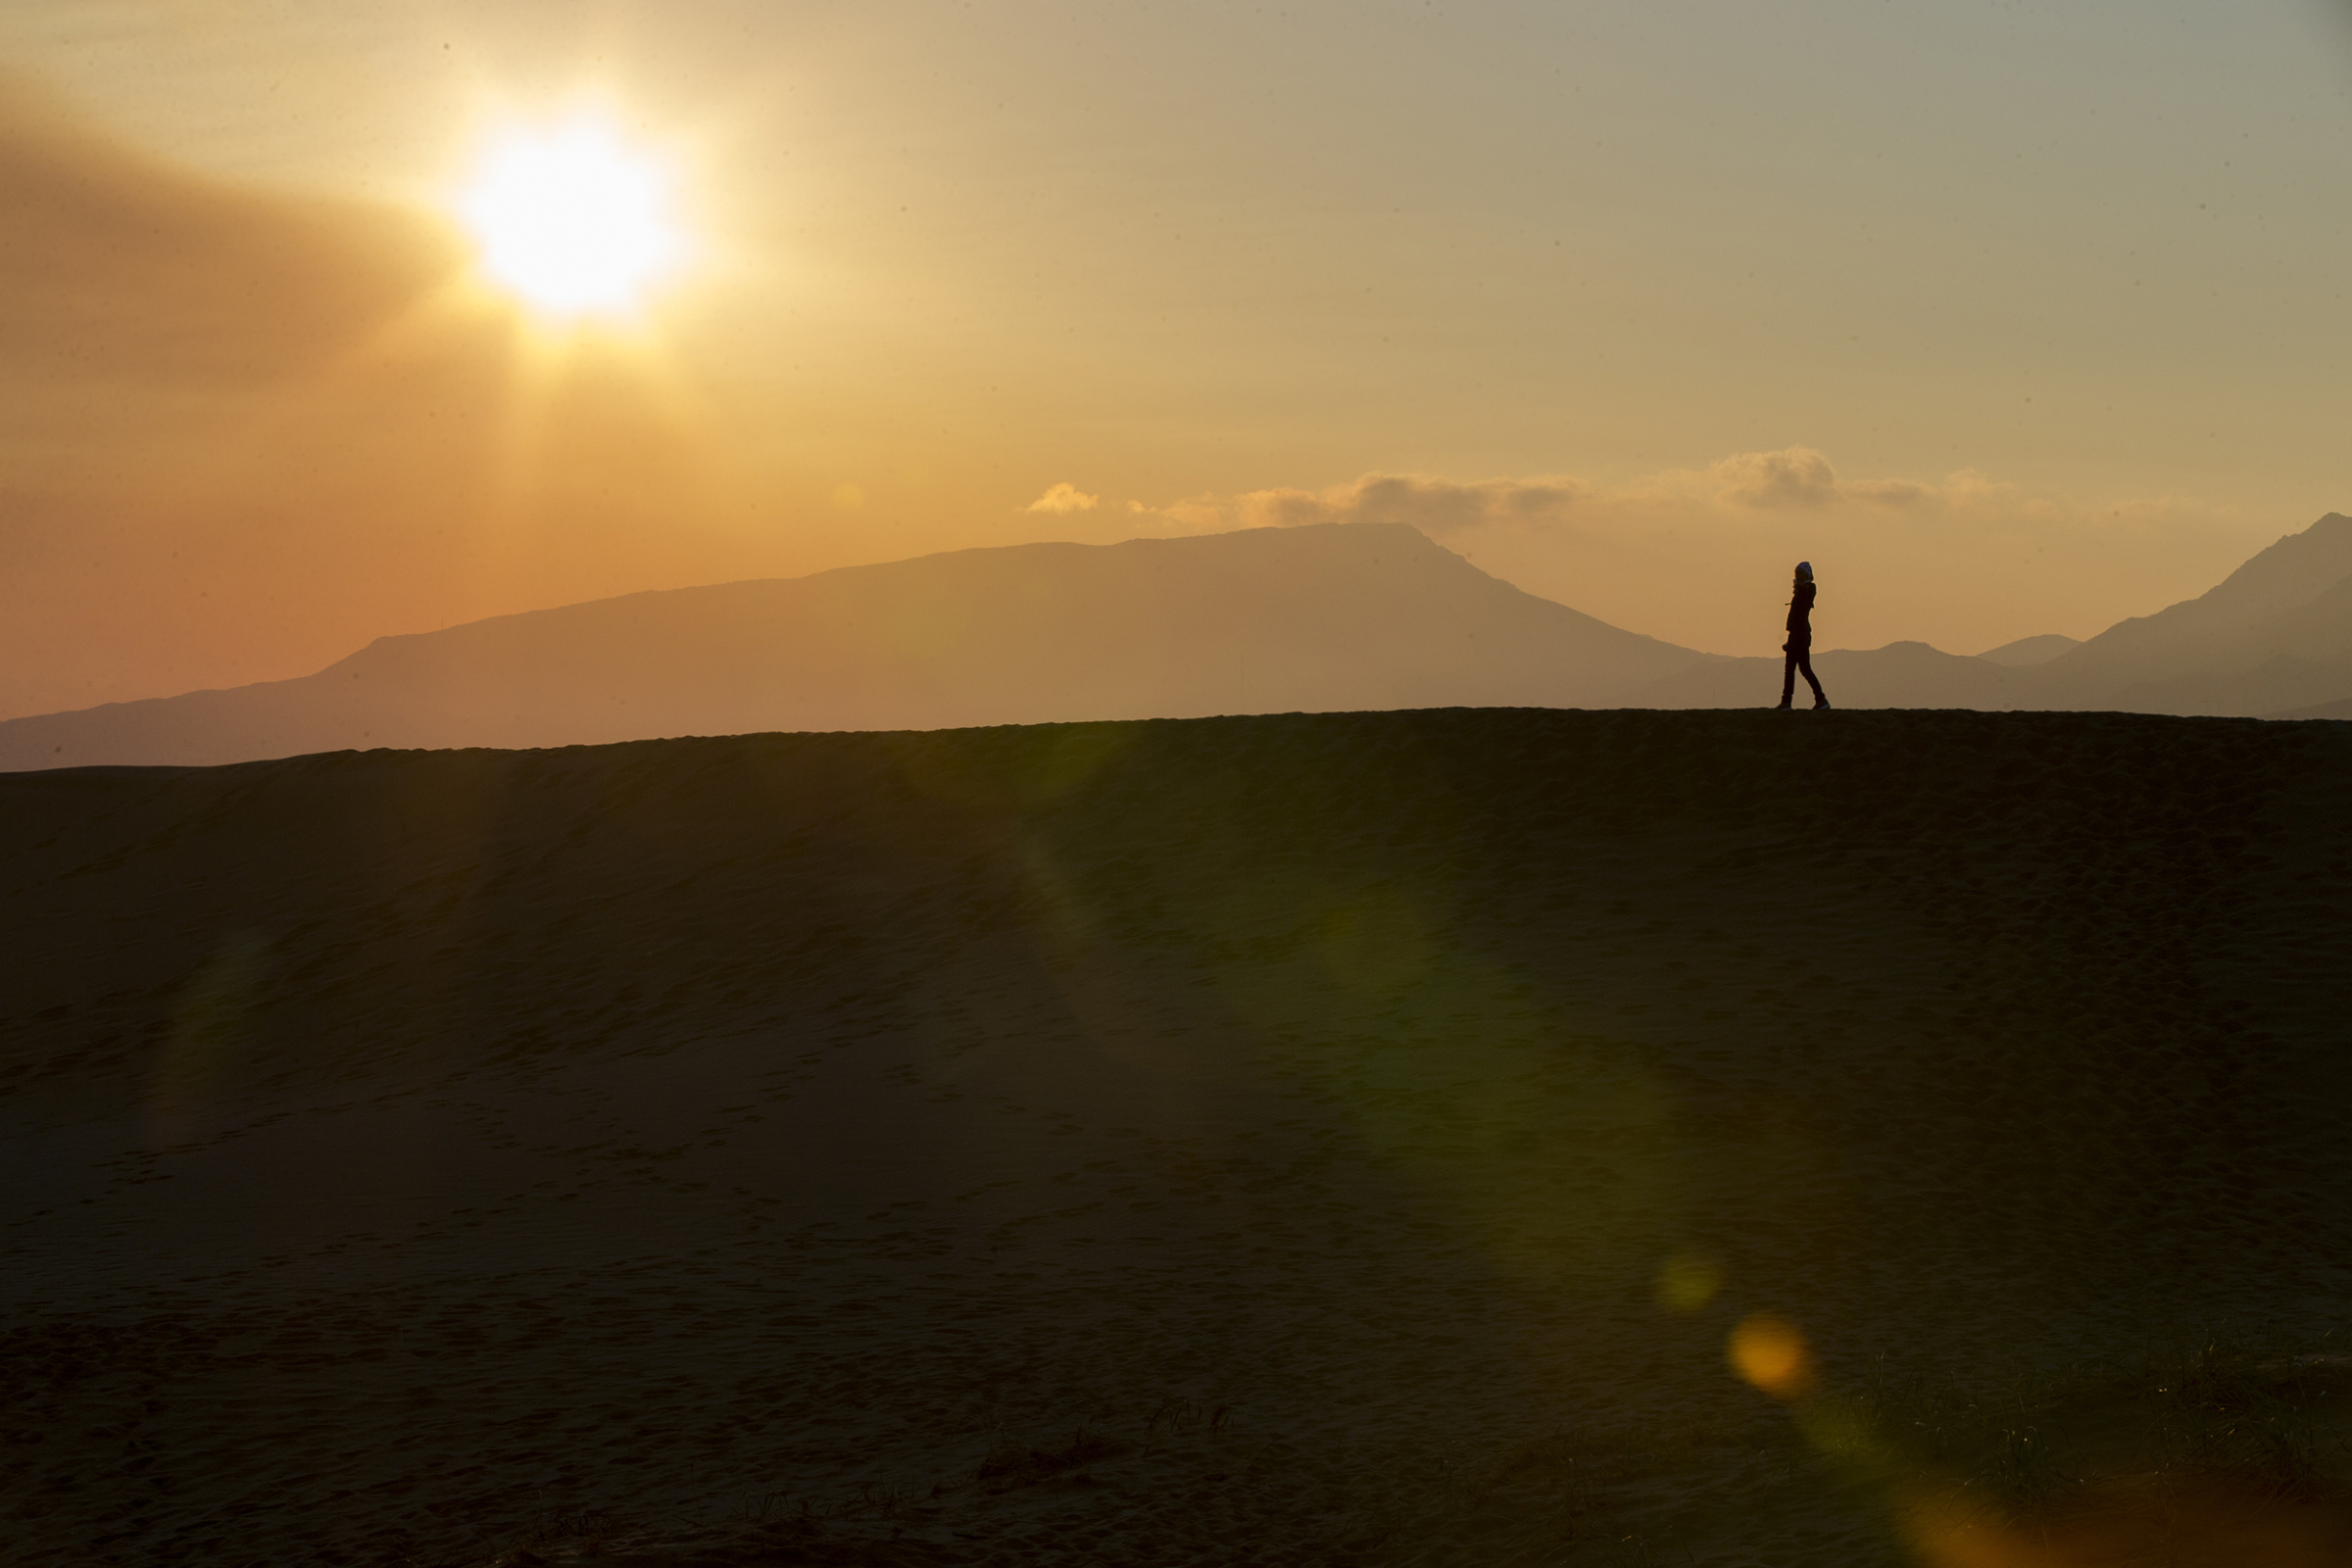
(1332, 618)
(1329, 618)
(2274, 582)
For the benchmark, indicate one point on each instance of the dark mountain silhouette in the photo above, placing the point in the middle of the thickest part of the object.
(1266, 621)
(2026, 651)
(2275, 634)
(2273, 639)
(1335, 617)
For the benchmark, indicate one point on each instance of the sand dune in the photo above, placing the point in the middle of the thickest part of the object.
(1239, 1140)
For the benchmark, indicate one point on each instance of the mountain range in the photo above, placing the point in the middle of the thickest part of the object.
(1330, 617)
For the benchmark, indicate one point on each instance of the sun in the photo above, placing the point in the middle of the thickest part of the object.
(572, 218)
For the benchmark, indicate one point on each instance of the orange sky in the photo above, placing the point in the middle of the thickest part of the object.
(2011, 321)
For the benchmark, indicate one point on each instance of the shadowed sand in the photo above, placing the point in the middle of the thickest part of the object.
(1299, 1139)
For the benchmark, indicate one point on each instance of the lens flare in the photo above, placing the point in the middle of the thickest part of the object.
(1689, 1282)
(1770, 1352)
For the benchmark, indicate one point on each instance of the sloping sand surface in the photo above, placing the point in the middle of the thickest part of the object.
(1298, 1139)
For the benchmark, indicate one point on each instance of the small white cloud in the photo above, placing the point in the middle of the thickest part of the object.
(1066, 497)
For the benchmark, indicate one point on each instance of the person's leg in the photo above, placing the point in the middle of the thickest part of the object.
(1788, 677)
(1803, 659)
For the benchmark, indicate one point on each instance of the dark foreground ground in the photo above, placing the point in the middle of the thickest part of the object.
(1345, 1139)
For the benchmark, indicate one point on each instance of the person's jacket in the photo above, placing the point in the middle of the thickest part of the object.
(1800, 615)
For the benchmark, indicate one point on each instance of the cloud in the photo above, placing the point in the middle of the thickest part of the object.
(1795, 480)
(1797, 476)
(1790, 479)
(248, 429)
(1436, 507)
(1064, 497)
(1700, 555)
(114, 265)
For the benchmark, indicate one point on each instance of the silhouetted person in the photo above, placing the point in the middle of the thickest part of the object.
(1799, 646)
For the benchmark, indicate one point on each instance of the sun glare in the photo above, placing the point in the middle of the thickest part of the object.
(572, 218)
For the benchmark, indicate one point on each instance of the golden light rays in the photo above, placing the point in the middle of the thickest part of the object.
(579, 229)
(578, 410)
(507, 419)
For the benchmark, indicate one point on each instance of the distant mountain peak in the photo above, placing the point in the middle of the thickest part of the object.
(1327, 617)
(2188, 637)
(2026, 651)
(2294, 570)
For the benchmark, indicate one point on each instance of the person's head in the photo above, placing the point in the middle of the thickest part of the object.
(1804, 571)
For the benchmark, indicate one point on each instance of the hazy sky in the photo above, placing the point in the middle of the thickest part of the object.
(2013, 318)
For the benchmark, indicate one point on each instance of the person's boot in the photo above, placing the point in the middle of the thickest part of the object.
(1782, 707)
(1819, 702)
